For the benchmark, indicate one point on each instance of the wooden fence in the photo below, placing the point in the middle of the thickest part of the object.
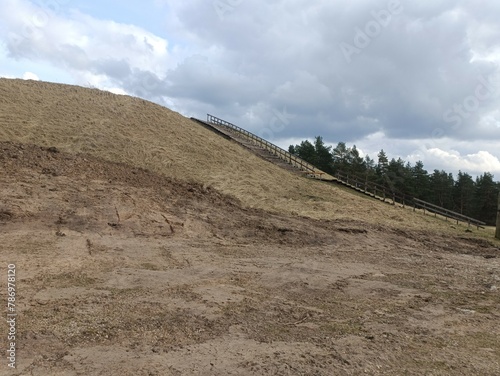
(447, 213)
(386, 193)
(497, 232)
(374, 189)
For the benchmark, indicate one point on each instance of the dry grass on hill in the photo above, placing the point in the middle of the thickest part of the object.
(140, 133)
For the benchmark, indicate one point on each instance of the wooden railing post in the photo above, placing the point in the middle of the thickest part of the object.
(497, 233)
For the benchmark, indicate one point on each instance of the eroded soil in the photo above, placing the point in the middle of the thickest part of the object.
(124, 272)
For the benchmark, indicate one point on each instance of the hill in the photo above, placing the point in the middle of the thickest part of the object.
(144, 244)
(140, 133)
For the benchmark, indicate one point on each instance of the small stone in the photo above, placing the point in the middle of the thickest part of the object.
(466, 311)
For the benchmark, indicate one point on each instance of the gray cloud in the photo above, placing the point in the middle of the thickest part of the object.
(345, 70)
(416, 68)
(116, 69)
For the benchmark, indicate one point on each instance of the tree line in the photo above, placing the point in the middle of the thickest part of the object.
(476, 198)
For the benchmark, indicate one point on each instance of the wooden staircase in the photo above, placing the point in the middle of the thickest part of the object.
(264, 149)
(274, 154)
(282, 158)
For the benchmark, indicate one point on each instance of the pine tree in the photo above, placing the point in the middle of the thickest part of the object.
(442, 188)
(396, 175)
(370, 172)
(486, 199)
(356, 162)
(420, 181)
(464, 194)
(306, 151)
(323, 155)
(382, 167)
(340, 156)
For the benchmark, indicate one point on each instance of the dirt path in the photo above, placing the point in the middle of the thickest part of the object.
(123, 272)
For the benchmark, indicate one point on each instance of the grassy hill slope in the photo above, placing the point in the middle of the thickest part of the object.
(140, 133)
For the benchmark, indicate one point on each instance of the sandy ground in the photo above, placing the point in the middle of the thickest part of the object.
(125, 272)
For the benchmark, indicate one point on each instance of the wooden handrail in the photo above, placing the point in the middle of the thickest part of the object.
(285, 155)
(399, 197)
(448, 213)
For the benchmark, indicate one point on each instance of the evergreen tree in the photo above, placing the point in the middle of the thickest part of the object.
(464, 194)
(370, 172)
(421, 181)
(357, 163)
(382, 167)
(369, 163)
(409, 188)
(486, 199)
(340, 156)
(442, 189)
(323, 155)
(316, 154)
(396, 175)
(306, 151)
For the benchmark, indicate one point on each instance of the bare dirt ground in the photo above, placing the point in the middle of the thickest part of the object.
(126, 272)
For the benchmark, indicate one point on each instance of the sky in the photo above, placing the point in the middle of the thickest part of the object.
(419, 79)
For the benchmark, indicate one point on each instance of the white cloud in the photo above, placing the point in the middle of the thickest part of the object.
(82, 44)
(30, 76)
(452, 160)
(441, 154)
(115, 90)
